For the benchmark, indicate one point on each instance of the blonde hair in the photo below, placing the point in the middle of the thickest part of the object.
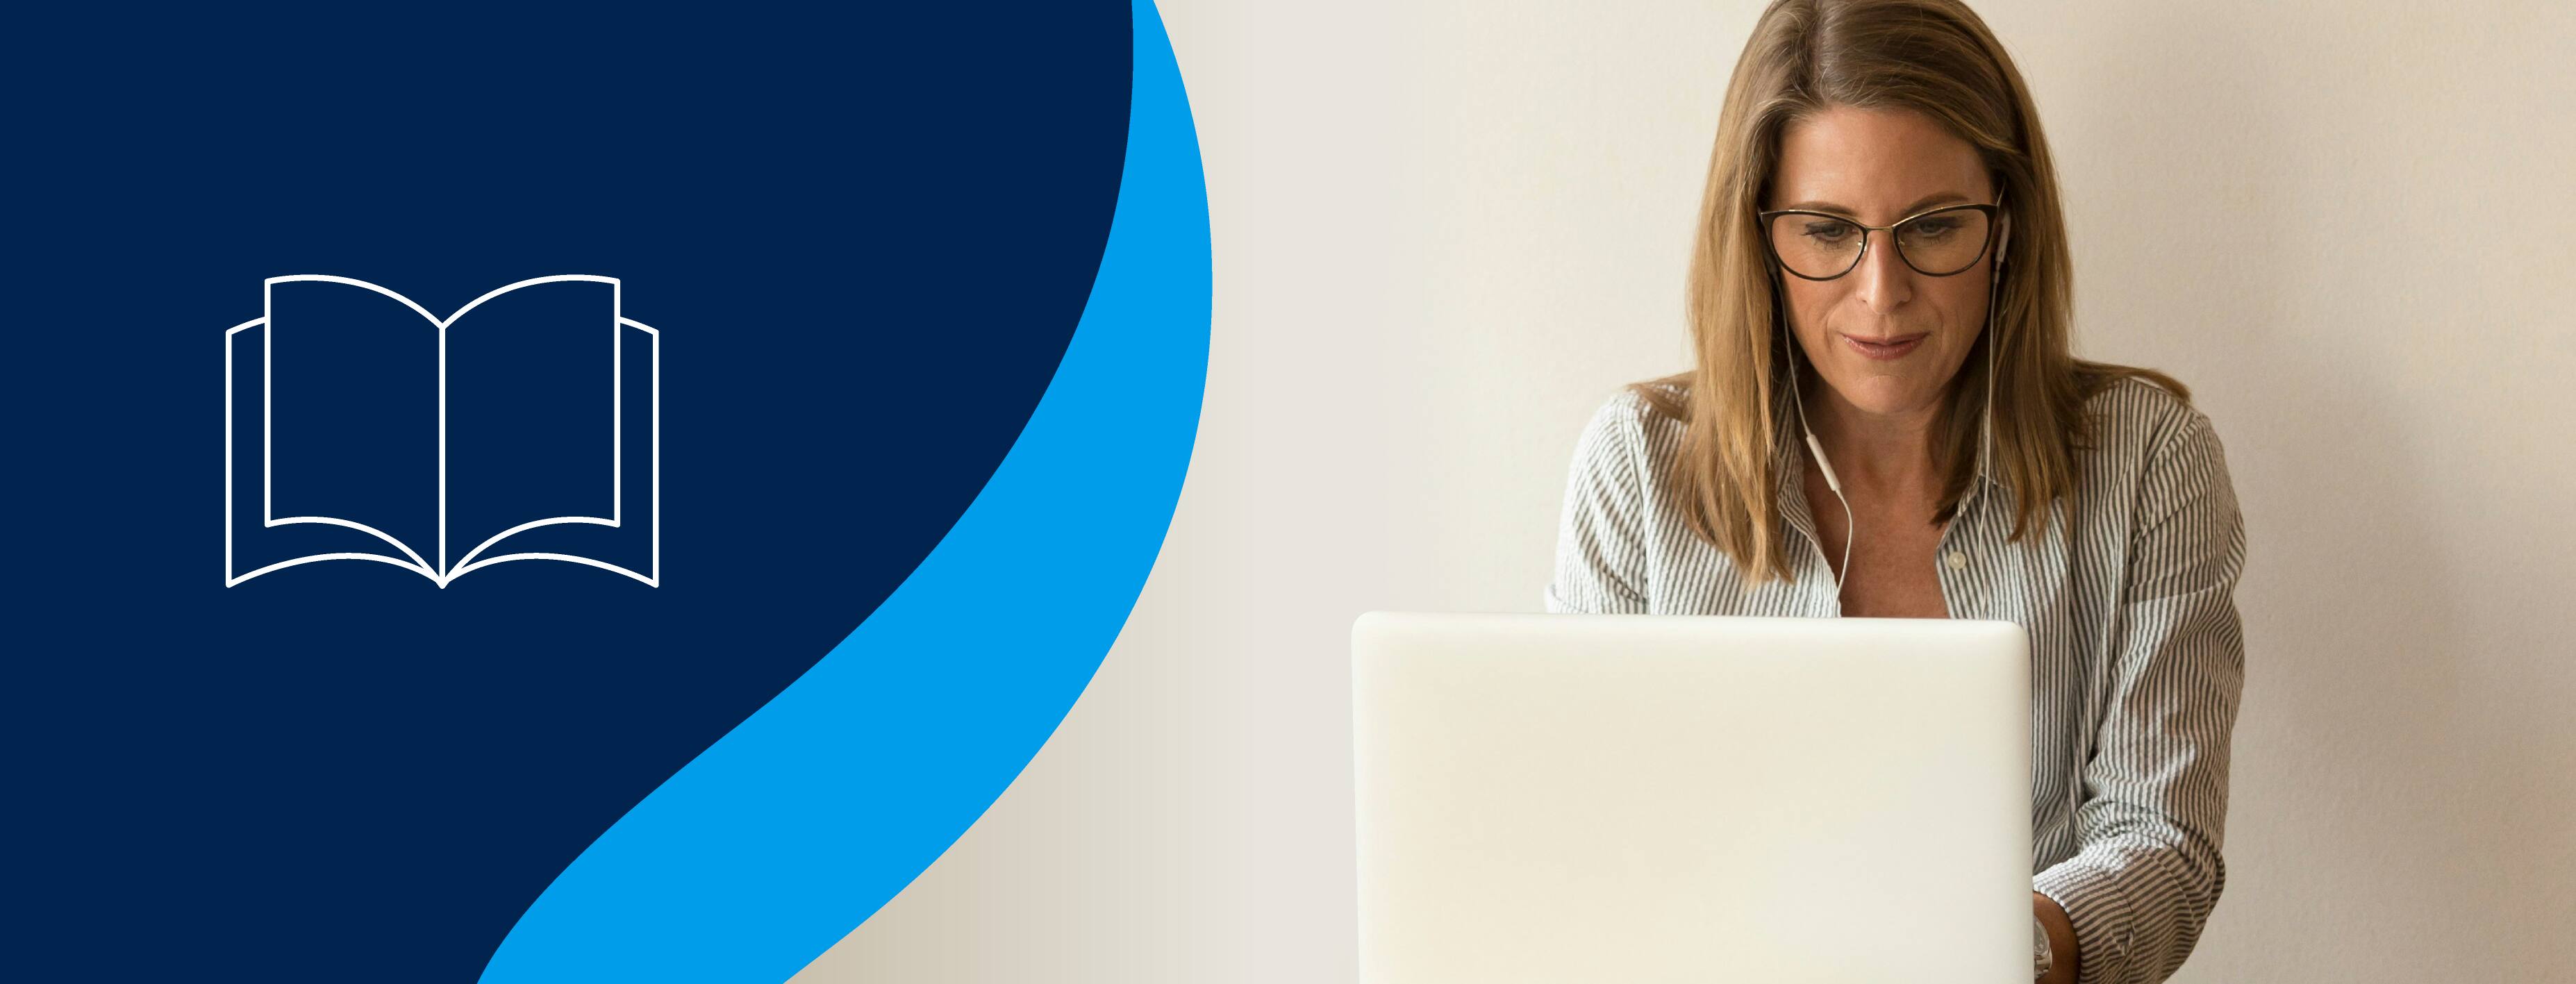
(1937, 58)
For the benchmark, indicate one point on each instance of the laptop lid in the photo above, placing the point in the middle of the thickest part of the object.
(1645, 798)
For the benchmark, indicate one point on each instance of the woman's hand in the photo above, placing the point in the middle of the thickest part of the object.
(2061, 939)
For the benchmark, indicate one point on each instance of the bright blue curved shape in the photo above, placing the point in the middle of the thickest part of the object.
(810, 815)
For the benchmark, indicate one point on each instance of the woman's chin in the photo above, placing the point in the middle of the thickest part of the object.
(1886, 395)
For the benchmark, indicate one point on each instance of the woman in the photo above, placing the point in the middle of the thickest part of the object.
(1884, 419)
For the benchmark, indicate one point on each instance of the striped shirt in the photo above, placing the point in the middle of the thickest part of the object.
(2137, 658)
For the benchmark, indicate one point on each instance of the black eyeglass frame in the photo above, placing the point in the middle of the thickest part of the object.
(1773, 248)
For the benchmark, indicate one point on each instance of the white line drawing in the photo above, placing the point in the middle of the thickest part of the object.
(443, 573)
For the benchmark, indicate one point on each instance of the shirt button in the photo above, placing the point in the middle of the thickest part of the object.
(1958, 560)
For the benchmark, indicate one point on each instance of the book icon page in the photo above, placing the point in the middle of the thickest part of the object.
(523, 426)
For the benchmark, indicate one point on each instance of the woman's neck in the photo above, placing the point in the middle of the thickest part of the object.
(1884, 453)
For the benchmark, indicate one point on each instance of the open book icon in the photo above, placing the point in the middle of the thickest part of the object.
(524, 424)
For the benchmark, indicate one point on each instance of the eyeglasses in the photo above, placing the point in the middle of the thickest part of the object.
(1822, 246)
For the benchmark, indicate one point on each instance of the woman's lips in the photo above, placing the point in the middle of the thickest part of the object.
(1883, 353)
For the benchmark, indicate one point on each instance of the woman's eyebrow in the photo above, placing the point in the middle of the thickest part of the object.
(1941, 198)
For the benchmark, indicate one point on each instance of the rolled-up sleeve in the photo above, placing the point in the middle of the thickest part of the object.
(2148, 870)
(1600, 550)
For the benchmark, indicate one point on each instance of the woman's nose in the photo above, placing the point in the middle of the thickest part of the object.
(1882, 280)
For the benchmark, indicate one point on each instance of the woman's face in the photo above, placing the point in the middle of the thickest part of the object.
(1879, 166)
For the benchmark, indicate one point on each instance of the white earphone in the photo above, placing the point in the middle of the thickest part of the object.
(1833, 483)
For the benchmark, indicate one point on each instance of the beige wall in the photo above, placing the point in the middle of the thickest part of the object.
(1445, 231)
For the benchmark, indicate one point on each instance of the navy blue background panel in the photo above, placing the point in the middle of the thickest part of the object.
(865, 240)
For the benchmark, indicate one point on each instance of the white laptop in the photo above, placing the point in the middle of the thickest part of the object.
(1649, 798)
